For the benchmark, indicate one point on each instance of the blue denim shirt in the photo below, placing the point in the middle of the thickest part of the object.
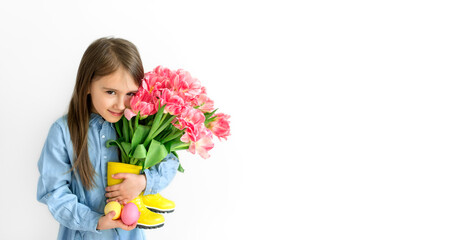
(76, 209)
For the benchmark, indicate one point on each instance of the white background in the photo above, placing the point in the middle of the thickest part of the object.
(349, 119)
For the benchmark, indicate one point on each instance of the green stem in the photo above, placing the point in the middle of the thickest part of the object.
(118, 129)
(130, 123)
(181, 146)
(125, 129)
(155, 125)
(136, 120)
(133, 161)
(159, 130)
(172, 136)
(162, 127)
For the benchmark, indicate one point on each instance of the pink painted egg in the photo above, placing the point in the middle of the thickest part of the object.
(130, 214)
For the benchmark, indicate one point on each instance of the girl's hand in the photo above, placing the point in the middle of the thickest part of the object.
(106, 222)
(130, 188)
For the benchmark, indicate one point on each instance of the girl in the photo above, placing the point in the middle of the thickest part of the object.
(73, 162)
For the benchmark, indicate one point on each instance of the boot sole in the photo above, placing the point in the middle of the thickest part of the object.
(159, 210)
(149, 227)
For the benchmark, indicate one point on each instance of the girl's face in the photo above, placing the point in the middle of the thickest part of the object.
(112, 93)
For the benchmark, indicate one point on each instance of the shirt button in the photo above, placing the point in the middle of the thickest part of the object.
(105, 157)
(103, 136)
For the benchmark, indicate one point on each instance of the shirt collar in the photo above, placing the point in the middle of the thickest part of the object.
(96, 119)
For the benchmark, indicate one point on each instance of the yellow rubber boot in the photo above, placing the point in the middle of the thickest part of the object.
(147, 219)
(157, 203)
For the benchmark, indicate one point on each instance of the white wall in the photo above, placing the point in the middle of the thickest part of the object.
(350, 119)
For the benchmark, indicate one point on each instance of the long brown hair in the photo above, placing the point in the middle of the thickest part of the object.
(102, 57)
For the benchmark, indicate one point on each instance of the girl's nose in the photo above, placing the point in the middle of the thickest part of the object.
(120, 103)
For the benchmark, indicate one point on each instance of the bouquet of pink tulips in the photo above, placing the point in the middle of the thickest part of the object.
(171, 111)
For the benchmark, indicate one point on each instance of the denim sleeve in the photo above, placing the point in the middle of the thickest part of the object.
(54, 185)
(160, 175)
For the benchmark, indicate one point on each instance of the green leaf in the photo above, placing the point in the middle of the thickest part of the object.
(131, 129)
(124, 155)
(148, 120)
(140, 151)
(175, 133)
(136, 120)
(177, 145)
(155, 125)
(210, 113)
(125, 129)
(126, 147)
(138, 138)
(162, 119)
(131, 161)
(181, 169)
(156, 152)
(209, 117)
(141, 163)
(163, 126)
(111, 142)
(118, 128)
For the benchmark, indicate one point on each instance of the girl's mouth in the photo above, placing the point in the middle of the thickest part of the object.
(115, 113)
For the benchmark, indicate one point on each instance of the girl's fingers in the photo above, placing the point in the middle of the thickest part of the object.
(130, 227)
(133, 226)
(126, 227)
(113, 188)
(112, 194)
(110, 215)
(117, 196)
(120, 175)
(118, 199)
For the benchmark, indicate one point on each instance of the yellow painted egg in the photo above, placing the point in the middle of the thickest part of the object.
(113, 206)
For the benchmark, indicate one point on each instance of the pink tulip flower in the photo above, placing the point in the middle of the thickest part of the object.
(190, 117)
(200, 140)
(220, 126)
(174, 103)
(144, 103)
(205, 103)
(164, 74)
(151, 84)
(129, 114)
(184, 85)
(157, 79)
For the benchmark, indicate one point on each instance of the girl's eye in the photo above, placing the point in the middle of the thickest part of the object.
(131, 94)
(111, 92)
